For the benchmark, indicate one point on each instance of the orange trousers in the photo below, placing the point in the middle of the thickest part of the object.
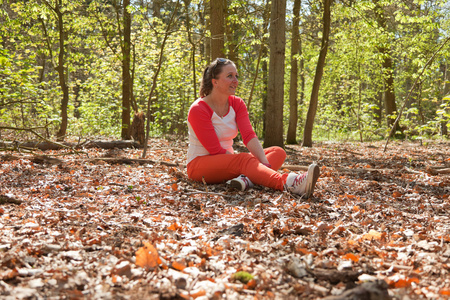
(222, 167)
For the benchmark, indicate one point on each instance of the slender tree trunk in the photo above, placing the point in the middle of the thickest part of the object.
(265, 79)
(275, 96)
(126, 79)
(291, 137)
(302, 81)
(262, 49)
(155, 77)
(264, 71)
(313, 103)
(62, 74)
(445, 93)
(206, 46)
(187, 3)
(217, 29)
(231, 27)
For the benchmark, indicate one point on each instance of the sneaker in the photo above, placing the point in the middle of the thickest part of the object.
(241, 183)
(303, 184)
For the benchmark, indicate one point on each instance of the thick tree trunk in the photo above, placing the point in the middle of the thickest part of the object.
(126, 79)
(275, 95)
(313, 103)
(389, 95)
(388, 71)
(217, 28)
(291, 137)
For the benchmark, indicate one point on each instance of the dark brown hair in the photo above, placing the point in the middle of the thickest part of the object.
(210, 73)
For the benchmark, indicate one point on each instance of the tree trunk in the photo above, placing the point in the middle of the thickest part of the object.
(187, 4)
(264, 71)
(232, 38)
(291, 137)
(126, 79)
(388, 71)
(275, 92)
(62, 74)
(313, 103)
(217, 28)
(445, 93)
(262, 50)
(205, 23)
(156, 8)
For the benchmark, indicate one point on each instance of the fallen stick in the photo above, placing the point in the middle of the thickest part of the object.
(436, 171)
(6, 200)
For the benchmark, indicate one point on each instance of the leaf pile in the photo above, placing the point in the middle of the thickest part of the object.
(79, 227)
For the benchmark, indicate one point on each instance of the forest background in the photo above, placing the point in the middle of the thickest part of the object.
(103, 223)
(84, 68)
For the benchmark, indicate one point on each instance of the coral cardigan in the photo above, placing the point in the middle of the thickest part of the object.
(210, 134)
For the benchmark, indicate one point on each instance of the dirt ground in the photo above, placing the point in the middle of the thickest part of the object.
(93, 226)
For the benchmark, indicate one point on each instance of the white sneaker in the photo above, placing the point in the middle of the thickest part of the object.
(241, 183)
(303, 184)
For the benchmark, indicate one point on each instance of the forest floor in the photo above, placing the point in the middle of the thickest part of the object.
(79, 227)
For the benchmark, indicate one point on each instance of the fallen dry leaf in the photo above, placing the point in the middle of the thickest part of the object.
(147, 257)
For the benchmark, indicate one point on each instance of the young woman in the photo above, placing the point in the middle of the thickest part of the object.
(214, 121)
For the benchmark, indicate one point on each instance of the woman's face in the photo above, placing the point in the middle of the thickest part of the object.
(227, 80)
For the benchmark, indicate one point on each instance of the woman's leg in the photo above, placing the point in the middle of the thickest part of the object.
(276, 156)
(212, 168)
(222, 167)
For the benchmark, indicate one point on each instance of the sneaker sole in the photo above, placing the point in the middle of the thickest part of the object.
(311, 180)
(236, 185)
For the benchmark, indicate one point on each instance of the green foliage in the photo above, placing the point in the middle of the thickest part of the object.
(351, 95)
(242, 276)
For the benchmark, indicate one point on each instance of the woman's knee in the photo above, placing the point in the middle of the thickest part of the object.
(276, 150)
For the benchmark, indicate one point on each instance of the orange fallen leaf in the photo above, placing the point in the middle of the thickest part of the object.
(351, 257)
(251, 285)
(175, 187)
(445, 292)
(147, 257)
(193, 295)
(114, 279)
(304, 206)
(157, 218)
(396, 194)
(178, 266)
(175, 227)
(403, 283)
(372, 235)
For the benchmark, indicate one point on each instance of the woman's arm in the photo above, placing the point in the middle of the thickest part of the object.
(254, 146)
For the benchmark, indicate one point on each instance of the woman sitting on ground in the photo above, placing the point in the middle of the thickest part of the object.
(214, 120)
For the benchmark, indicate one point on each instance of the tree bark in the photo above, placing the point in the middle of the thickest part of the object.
(126, 79)
(445, 93)
(62, 72)
(155, 77)
(217, 22)
(262, 49)
(187, 3)
(275, 91)
(388, 71)
(291, 137)
(313, 103)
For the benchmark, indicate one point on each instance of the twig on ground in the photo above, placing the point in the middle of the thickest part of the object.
(9, 200)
